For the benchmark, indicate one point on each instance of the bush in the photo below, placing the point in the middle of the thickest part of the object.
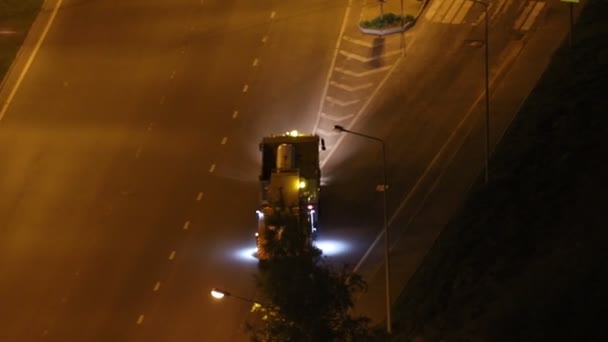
(385, 21)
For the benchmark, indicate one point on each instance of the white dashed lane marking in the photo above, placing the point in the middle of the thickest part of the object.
(186, 225)
(172, 255)
(199, 196)
(224, 140)
(235, 114)
(245, 88)
(212, 168)
(156, 286)
(140, 319)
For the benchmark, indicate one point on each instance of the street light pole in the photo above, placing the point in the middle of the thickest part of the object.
(487, 91)
(387, 279)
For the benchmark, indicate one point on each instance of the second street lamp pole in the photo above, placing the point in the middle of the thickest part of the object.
(487, 92)
(387, 278)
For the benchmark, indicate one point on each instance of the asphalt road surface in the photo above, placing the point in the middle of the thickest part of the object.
(129, 163)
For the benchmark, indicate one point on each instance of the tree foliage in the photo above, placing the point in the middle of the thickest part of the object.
(306, 299)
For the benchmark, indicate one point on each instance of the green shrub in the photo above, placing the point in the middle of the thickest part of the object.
(385, 21)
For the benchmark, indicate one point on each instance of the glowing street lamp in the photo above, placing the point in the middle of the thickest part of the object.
(220, 294)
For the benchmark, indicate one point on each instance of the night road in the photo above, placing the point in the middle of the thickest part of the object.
(130, 160)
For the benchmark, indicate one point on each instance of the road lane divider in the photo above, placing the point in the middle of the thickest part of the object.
(186, 225)
(332, 66)
(245, 88)
(255, 62)
(235, 114)
(212, 168)
(199, 196)
(224, 140)
(140, 319)
(273, 14)
(172, 255)
(156, 286)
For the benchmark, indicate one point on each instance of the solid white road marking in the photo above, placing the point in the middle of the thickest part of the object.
(245, 88)
(30, 59)
(157, 286)
(172, 255)
(212, 168)
(331, 67)
(224, 140)
(200, 196)
(140, 319)
(235, 114)
(186, 225)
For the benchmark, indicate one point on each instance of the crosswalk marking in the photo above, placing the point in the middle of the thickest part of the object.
(449, 11)
(529, 14)
(532, 17)
(433, 9)
(443, 10)
(452, 12)
(463, 11)
(523, 15)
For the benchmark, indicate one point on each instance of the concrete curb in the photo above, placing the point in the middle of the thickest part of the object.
(393, 30)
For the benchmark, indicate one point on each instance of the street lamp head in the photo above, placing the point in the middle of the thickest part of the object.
(219, 294)
(339, 128)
